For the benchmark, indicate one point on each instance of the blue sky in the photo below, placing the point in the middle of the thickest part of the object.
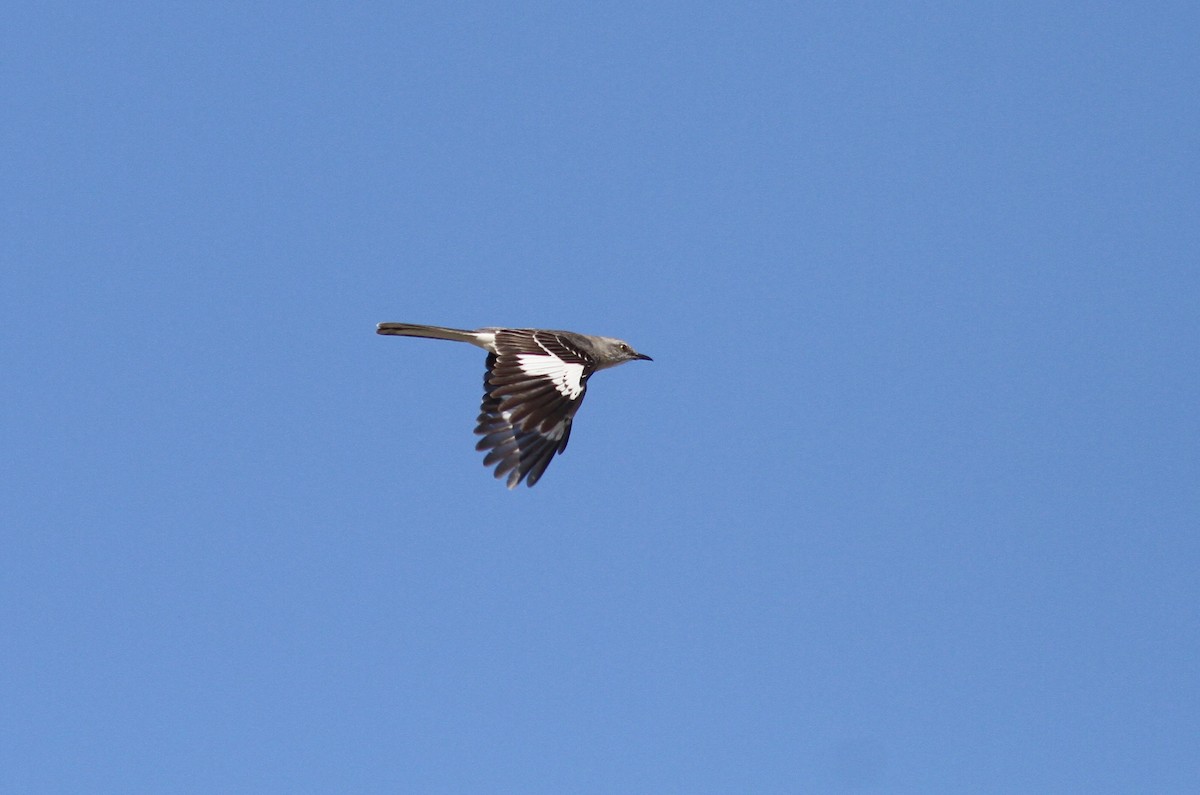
(907, 501)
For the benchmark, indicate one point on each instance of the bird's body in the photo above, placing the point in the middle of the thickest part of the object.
(534, 384)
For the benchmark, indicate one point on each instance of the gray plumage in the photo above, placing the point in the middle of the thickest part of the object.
(534, 383)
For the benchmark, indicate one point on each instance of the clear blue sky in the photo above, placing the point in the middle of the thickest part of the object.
(907, 502)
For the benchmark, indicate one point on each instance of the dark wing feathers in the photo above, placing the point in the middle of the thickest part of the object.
(525, 418)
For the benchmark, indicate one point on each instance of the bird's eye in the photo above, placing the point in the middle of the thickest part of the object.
(625, 347)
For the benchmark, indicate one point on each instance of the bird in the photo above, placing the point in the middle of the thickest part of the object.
(534, 383)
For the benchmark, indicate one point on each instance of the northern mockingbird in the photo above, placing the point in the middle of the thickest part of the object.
(535, 381)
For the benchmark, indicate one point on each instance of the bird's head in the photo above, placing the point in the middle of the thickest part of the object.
(618, 352)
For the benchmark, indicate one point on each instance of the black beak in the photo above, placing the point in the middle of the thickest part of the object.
(642, 356)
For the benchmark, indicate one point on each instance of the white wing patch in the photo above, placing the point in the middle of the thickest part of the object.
(566, 376)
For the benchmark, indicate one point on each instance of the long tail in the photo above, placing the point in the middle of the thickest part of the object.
(432, 332)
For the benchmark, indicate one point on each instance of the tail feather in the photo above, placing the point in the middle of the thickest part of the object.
(430, 332)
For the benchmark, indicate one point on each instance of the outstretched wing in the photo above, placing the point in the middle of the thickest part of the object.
(535, 382)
